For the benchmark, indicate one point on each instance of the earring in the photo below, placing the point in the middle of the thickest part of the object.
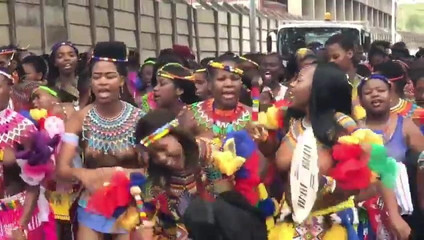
(122, 90)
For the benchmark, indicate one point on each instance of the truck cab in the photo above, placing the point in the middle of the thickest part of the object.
(294, 35)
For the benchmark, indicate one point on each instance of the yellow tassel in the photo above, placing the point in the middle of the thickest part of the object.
(336, 232)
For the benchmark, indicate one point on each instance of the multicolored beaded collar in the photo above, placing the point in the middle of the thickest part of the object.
(111, 135)
(227, 68)
(159, 133)
(219, 121)
(404, 108)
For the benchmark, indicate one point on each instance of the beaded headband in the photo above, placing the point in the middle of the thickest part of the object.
(47, 89)
(250, 61)
(202, 70)
(150, 62)
(224, 67)
(159, 133)
(374, 76)
(60, 44)
(7, 51)
(165, 74)
(106, 59)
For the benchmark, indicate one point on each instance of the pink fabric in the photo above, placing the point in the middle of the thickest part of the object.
(36, 229)
(49, 228)
(9, 219)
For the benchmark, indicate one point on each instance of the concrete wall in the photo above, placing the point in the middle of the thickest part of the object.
(146, 25)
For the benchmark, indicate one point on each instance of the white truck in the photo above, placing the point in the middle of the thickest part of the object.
(295, 34)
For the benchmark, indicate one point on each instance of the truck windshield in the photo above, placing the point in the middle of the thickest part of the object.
(291, 39)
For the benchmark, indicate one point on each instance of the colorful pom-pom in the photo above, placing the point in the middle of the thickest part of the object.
(267, 207)
(38, 114)
(383, 165)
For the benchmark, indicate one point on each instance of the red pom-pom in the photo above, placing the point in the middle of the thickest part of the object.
(351, 171)
(107, 199)
(248, 186)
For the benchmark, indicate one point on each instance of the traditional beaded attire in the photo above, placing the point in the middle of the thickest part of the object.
(14, 128)
(220, 123)
(315, 226)
(105, 141)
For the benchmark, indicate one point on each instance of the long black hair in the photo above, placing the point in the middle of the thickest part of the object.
(156, 119)
(330, 93)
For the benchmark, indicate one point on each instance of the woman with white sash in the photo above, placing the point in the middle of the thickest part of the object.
(323, 163)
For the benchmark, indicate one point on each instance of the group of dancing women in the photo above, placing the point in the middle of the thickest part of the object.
(94, 146)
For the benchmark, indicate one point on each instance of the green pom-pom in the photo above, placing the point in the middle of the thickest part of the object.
(384, 166)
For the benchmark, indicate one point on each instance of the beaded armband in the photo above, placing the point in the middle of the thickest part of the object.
(70, 138)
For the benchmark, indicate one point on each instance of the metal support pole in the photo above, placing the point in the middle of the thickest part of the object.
(252, 24)
(393, 23)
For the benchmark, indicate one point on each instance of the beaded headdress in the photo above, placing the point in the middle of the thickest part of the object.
(159, 133)
(224, 67)
(250, 61)
(166, 74)
(110, 52)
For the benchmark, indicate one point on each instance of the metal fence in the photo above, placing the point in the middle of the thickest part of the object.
(146, 25)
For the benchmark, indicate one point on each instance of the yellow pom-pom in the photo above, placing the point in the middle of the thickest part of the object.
(135, 191)
(227, 161)
(282, 231)
(270, 223)
(362, 136)
(336, 232)
(38, 114)
(143, 214)
(269, 119)
(263, 194)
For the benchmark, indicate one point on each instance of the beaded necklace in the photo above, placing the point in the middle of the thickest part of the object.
(220, 122)
(111, 134)
(404, 108)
